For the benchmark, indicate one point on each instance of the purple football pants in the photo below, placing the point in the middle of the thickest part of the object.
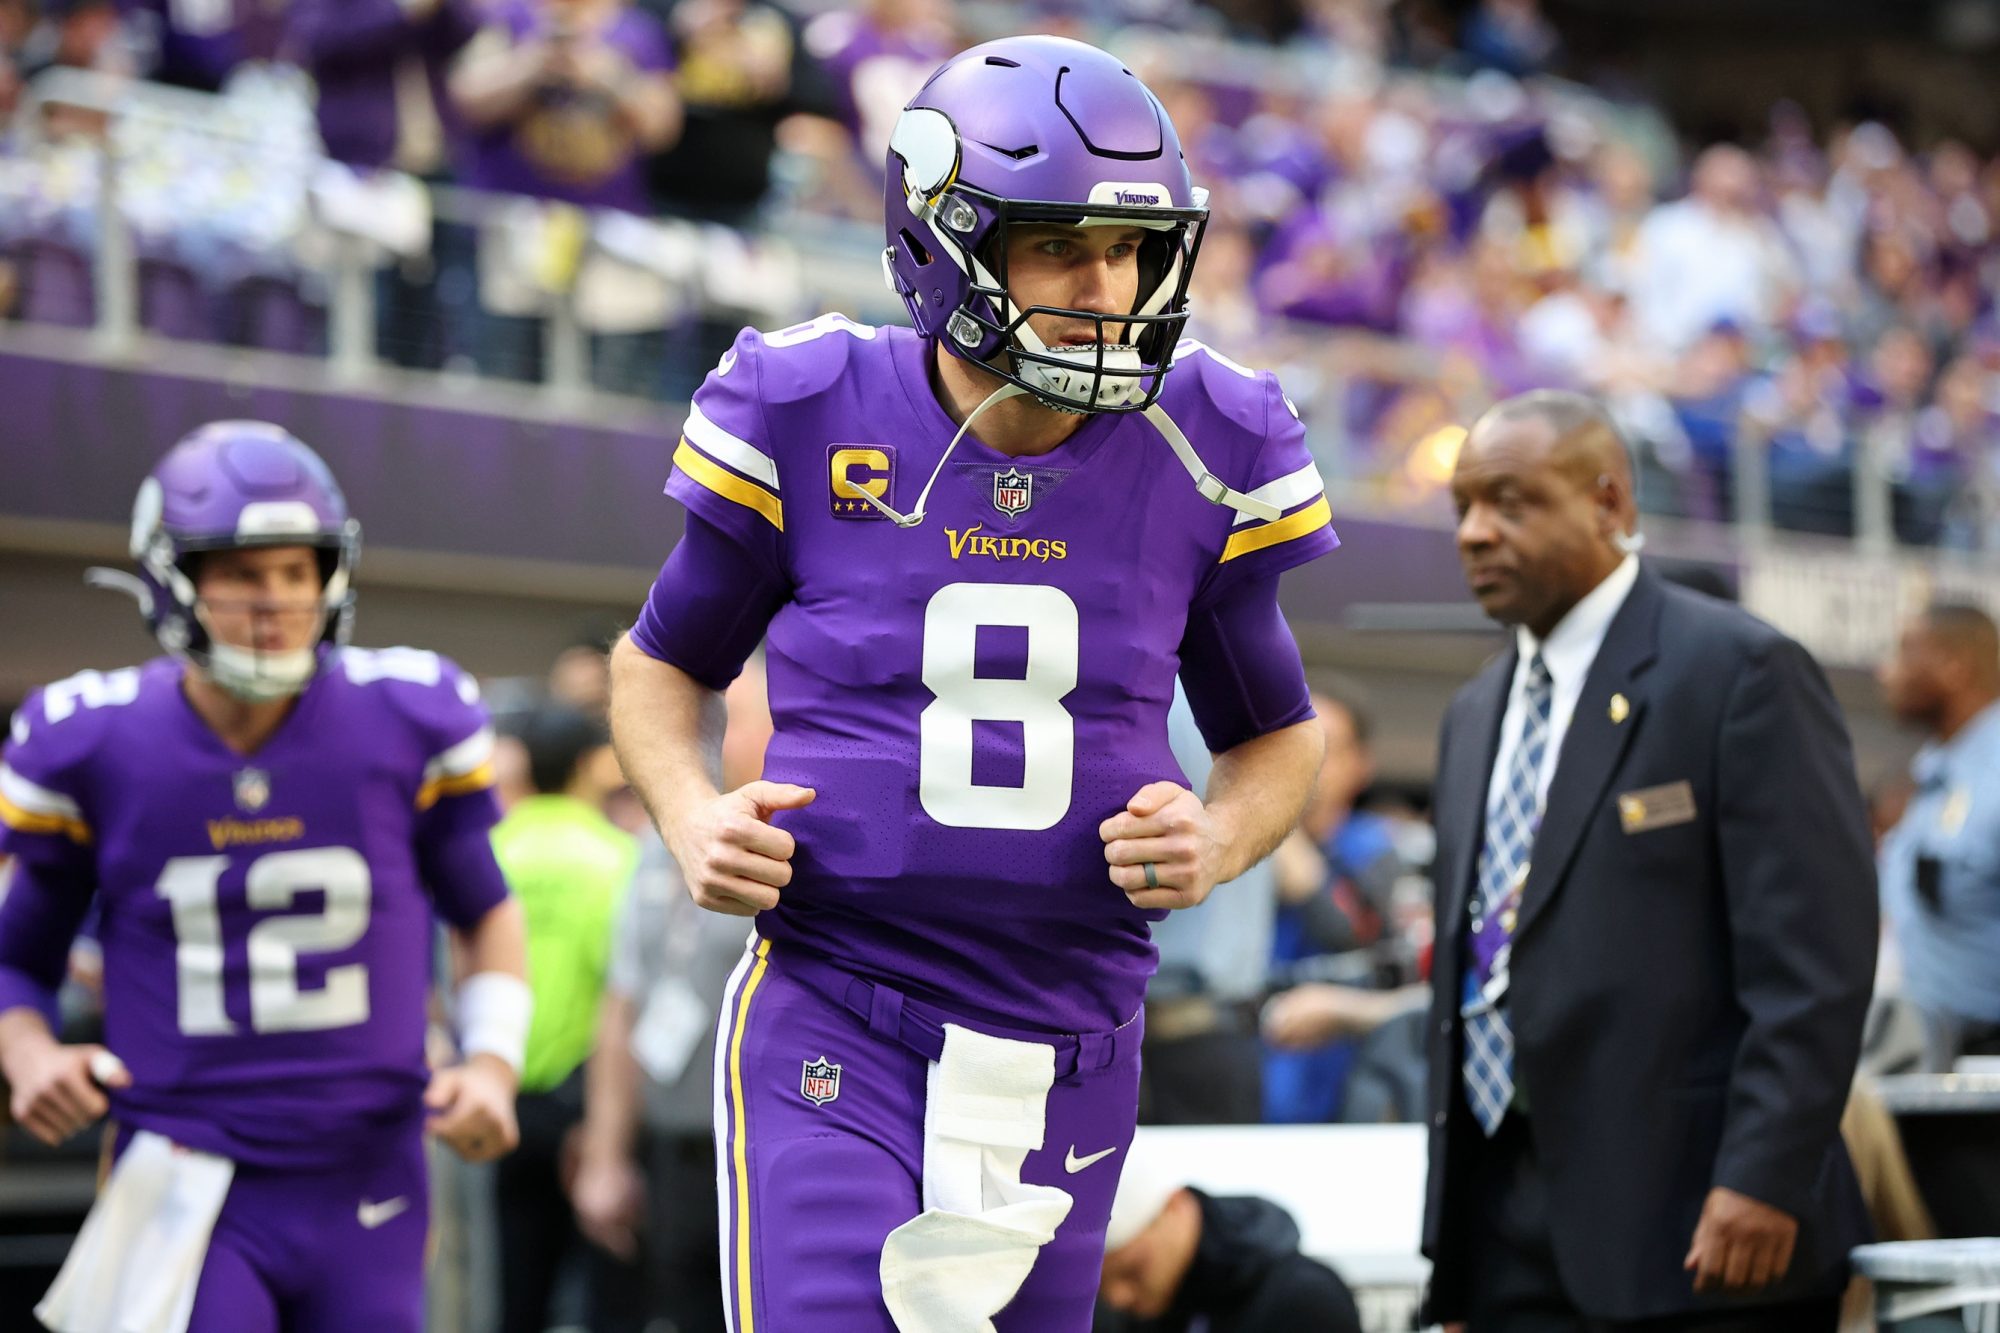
(816, 1166)
(321, 1252)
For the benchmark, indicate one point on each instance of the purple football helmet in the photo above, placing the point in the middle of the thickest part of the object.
(1040, 129)
(230, 485)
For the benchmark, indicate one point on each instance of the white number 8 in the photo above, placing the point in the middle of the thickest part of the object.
(1048, 733)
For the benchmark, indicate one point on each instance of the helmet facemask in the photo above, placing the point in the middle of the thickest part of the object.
(255, 675)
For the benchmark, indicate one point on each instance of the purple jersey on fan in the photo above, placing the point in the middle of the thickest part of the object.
(266, 921)
(972, 697)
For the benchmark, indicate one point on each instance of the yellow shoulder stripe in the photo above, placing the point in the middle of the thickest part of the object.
(728, 485)
(26, 821)
(1307, 521)
(437, 789)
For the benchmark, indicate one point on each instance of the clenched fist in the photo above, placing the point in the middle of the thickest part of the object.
(732, 857)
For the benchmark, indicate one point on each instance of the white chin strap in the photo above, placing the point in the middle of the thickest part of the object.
(916, 516)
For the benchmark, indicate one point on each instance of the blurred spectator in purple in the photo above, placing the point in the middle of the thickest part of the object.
(1805, 409)
(877, 54)
(1925, 470)
(199, 43)
(380, 68)
(1964, 417)
(1708, 391)
(1710, 256)
(564, 99)
(1472, 306)
(1321, 275)
(1511, 36)
(742, 69)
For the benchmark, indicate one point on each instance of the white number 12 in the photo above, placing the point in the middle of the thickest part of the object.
(277, 1004)
(952, 622)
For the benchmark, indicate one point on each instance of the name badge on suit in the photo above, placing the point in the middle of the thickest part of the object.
(1658, 807)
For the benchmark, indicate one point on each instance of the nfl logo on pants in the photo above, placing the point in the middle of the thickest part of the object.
(820, 1081)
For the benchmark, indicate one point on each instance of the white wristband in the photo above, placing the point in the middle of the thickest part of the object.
(494, 1009)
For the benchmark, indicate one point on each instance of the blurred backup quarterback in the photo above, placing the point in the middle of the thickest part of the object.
(265, 920)
(978, 553)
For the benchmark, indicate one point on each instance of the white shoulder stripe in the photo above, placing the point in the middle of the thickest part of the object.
(720, 445)
(36, 800)
(462, 758)
(1294, 488)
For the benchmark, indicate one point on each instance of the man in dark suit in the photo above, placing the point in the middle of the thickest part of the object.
(1656, 928)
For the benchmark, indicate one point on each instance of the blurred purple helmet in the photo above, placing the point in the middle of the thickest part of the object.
(227, 486)
(1040, 129)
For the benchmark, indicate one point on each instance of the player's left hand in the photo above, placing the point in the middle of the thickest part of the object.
(1164, 825)
(1740, 1244)
(471, 1108)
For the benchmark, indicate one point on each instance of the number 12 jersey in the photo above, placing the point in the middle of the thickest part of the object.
(972, 697)
(266, 921)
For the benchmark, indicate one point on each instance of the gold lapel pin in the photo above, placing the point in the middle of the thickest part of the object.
(1621, 708)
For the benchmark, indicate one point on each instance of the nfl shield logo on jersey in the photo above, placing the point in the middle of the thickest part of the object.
(253, 789)
(820, 1082)
(1013, 491)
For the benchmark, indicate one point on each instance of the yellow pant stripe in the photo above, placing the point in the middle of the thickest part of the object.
(746, 1322)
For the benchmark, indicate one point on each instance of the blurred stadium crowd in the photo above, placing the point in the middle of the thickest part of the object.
(1412, 216)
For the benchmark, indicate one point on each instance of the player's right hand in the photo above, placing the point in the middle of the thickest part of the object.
(55, 1092)
(733, 859)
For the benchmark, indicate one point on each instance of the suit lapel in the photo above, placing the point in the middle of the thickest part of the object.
(1595, 744)
(1485, 708)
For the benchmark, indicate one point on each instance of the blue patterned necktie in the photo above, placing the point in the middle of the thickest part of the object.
(1503, 863)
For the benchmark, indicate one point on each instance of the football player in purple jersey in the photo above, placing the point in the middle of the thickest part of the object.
(268, 821)
(978, 551)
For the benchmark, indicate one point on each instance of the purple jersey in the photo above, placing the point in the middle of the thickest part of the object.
(971, 698)
(567, 143)
(266, 927)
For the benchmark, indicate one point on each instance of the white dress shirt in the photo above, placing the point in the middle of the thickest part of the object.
(1568, 653)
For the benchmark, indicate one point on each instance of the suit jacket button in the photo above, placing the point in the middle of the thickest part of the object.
(1438, 1119)
(1444, 1026)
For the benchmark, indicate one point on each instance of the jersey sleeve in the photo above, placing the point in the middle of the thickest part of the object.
(1240, 667)
(1282, 474)
(726, 464)
(45, 816)
(451, 737)
(709, 607)
(46, 827)
(455, 806)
